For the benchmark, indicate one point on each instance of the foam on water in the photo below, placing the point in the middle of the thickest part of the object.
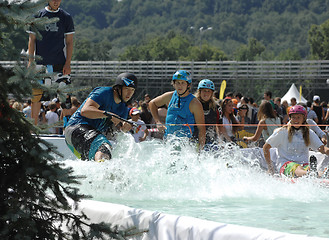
(173, 178)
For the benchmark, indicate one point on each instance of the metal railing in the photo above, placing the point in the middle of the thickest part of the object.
(248, 77)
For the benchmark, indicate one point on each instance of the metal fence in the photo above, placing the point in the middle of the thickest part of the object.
(249, 78)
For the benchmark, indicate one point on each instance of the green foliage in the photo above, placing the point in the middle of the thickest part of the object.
(172, 47)
(319, 41)
(279, 25)
(251, 51)
(38, 193)
(289, 55)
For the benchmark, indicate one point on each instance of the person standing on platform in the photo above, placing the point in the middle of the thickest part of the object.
(55, 47)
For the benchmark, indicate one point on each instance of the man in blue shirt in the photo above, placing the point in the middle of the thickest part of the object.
(84, 131)
(55, 47)
(183, 109)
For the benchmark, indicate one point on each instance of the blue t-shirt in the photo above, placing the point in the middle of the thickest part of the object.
(180, 115)
(52, 45)
(103, 96)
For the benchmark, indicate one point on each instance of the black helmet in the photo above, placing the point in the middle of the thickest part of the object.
(126, 79)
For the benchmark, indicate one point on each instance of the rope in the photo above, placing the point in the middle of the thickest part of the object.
(232, 124)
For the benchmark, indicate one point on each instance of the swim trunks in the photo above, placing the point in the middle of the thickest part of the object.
(289, 168)
(84, 141)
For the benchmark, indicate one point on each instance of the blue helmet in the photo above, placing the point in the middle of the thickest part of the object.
(183, 75)
(206, 83)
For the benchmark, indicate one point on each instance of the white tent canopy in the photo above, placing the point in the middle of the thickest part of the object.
(293, 92)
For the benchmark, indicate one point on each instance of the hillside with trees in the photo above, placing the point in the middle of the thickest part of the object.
(281, 27)
(193, 29)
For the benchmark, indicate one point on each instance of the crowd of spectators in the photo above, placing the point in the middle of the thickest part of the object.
(54, 111)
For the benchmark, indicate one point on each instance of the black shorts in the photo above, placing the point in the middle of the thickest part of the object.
(84, 141)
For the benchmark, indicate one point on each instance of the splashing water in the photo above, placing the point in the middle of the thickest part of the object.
(171, 177)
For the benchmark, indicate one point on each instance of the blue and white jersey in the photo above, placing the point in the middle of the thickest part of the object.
(103, 96)
(179, 115)
(52, 45)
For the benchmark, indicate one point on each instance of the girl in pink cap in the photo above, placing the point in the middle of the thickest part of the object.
(293, 142)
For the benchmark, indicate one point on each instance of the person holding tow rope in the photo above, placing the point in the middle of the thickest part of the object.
(184, 110)
(104, 108)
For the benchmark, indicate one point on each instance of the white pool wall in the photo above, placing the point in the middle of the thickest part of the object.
(160, 226)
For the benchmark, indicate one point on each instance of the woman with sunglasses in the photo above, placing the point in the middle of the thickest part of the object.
(243, 113)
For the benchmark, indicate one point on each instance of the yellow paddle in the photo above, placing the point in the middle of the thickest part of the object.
(222, 89)
(300, 93)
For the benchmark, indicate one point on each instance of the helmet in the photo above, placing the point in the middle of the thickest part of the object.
(126, 79)
(297, 109)
(206, 83)
(183, 75)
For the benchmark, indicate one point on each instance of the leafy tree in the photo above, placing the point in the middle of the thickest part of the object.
(250, 51)
(318, 37)
(205, 53)
(172, 47)
(83, 50)
(35, 189)
(289, 54)
(279, 25)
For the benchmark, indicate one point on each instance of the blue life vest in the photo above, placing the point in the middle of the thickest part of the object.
(179, 114)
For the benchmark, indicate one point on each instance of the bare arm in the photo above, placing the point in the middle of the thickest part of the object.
(146, 133)
(267, 155)
(31, 47)
(69, 52)
(91, 110)
(197, 110)
(157, 102)
(260, 127)
(327, 116)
